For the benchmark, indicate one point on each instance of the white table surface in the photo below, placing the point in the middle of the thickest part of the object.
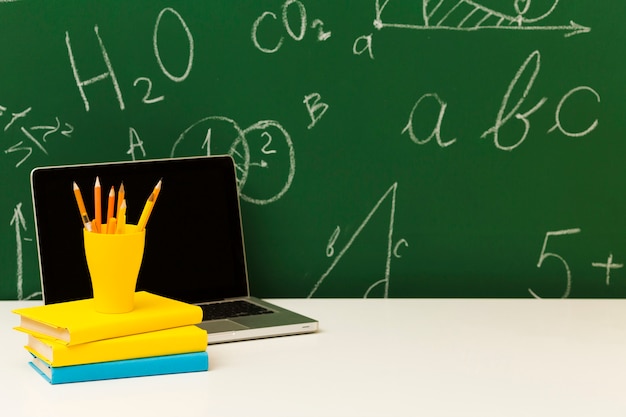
(393, 357)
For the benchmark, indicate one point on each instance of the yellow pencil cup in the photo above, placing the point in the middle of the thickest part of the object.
(114, 261)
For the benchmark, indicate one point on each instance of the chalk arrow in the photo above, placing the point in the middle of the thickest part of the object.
(18, 219)
(572, 29)
(577, 29)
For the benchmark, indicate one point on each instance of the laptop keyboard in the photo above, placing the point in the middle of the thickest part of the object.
(231, 309)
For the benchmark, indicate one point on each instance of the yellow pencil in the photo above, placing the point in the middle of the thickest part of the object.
(121, 218)
(81, 207)
(157, 189)
(110, 209)
(145, 214)
(97, 200)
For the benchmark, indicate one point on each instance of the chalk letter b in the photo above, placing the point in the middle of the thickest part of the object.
(316, 109)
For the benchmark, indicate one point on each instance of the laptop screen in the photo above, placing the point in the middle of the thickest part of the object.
(194, 248)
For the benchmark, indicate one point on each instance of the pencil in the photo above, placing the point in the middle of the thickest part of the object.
(157, 189)
(145, 214)
(112, 225)
(121, 195)
(97, 200)
(110, 209)
(121, 218)
(81, 207)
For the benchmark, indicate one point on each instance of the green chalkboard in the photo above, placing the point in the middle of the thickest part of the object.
(440, 148)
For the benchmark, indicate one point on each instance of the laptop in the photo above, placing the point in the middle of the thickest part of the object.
(194, 248)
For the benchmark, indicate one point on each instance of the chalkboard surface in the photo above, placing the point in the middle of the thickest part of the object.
(426, 148)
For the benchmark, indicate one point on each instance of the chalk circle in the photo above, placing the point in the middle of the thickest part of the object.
(274, 142)
(218, 135)
(215, 135)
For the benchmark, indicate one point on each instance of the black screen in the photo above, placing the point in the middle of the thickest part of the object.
(194, 246)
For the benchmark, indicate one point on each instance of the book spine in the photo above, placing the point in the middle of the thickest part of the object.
(159, 365)
(159, 343)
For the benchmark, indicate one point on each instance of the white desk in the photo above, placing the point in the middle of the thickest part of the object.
(371, 358)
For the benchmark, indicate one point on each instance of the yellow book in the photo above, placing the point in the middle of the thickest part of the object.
(186, 339)
(76, 322)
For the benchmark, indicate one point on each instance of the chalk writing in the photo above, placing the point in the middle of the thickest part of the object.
(215, 135)
(266, 148)
(533, 60)
(558, 125)
(19, 224)
(109, 73)
(330, 248)
(316, 109)
(148, 98)
(221, 135)
(392, 249)
(608, 266)
(503, 118)
(297, 35)
(362, 44)
(286, 156)
(322, 35)
(15, 116)
(30, 142)
(436, 132)
(207, 141)
(155, 42)
(516, 65)
(509, 111)
(468, 15)
(134, 143)
(545, 255)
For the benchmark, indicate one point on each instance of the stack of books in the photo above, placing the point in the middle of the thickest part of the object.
(71, 342)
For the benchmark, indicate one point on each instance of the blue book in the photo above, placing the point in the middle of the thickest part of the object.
(156, 365)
